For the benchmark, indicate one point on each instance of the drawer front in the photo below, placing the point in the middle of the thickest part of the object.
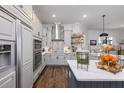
(27, 77)
(7, 27)
(8, 81)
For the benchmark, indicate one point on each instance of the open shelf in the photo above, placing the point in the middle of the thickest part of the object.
(76, 37)
(76, 42)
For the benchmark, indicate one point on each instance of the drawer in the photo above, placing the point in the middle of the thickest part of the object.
(7, 27)
(27, 76)
(8, 81)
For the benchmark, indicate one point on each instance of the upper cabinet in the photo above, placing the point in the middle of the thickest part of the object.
(37, 26)
(46, 34)
(67, 34)
(67, 37)
(7, 27)
(21, 12)
(26, 10)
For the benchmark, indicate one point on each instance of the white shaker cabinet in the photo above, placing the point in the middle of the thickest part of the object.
(46, 58)
(68, 28)
(7, 27)
(27, 57)
(61, 60)
(47, 35)
(8, 81)
(56, 59)
(67, 37)
(27, 77)
(26, 10)
(37, 26)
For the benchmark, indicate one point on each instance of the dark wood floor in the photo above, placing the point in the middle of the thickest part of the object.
(53, 77)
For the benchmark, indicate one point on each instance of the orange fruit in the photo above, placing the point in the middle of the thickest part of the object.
(109, 48)
(115, 59)
(102, 57)
(107, 58)
(110, 57)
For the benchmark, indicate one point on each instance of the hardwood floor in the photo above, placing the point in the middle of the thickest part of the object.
(53, 77)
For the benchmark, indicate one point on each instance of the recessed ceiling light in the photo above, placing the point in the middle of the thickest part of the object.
(122, 25)
(54, 15)
(85, 15)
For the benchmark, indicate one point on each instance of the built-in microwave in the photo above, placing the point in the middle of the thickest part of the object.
(7, 55)
(37, 45)
(37, 54)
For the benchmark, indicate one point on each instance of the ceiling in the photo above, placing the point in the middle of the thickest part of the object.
(69, 14)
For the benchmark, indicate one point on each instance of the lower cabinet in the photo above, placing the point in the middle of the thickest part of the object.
(8, 81)
(55, 59)
(46, 58)
(27, 76)
(74, 83)
(58, 58)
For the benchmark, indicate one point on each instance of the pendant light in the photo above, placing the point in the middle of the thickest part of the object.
(103, 34)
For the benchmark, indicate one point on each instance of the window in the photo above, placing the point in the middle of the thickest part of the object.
(110, 39)
(99, 41)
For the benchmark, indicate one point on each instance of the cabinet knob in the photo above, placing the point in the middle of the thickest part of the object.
(57, 57)
(38, 33)
(21, 6)
(64, 57)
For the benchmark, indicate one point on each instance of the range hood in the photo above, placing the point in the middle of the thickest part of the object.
(57, 32)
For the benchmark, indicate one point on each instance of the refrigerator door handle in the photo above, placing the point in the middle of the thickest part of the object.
(18, 54)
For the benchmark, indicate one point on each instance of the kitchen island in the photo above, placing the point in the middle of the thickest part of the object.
(94, 77)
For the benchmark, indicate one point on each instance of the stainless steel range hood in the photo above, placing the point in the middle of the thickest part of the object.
(57, 32)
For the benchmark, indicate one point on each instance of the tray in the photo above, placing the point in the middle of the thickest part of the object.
(110, 68)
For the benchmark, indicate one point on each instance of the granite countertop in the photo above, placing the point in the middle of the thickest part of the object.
(93, 73)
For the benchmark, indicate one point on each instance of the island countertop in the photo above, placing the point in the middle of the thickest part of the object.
(93, 73)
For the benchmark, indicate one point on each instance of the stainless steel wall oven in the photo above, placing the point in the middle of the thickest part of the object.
(37, 52)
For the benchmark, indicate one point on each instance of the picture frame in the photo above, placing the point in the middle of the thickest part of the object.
(93, 42)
